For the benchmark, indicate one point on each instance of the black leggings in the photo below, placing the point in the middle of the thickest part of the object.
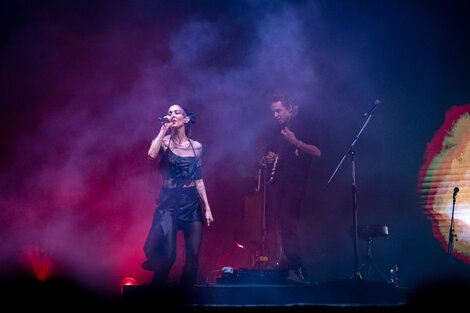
(193, 239)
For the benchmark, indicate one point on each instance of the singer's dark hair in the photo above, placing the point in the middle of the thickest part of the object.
(192, 119)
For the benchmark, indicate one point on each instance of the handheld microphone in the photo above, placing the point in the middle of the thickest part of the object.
(164, 120)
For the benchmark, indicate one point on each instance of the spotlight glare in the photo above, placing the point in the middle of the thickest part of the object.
(129, 281)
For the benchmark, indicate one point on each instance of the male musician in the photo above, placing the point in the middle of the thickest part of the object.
(290, 152)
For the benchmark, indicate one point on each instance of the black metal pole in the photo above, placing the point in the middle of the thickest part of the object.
(263, 217)
(357, 274)
(450, 247)
(350, 151)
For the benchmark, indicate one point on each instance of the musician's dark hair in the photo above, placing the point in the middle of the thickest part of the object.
(281, 95)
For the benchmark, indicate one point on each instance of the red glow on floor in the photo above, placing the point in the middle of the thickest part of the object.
(39, 262)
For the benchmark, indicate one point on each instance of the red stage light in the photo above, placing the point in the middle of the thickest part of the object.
(128, 281)
(240, 245)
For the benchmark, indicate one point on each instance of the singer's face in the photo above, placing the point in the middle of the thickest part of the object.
(177, 116)
(280, 112)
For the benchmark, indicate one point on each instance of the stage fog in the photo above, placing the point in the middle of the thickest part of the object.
(83, 86)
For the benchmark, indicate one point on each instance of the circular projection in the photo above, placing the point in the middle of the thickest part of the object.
(446, 166)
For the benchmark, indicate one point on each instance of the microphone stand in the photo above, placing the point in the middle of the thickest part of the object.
(450, 247)
(350, 151)
(262, 261)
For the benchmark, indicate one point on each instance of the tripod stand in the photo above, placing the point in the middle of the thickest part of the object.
(356, 275)
(368, 233)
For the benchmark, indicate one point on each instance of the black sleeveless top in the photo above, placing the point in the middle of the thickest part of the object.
(178, 194)
(178, 171)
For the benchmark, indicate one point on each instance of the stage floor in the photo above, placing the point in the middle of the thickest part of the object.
(332, 294)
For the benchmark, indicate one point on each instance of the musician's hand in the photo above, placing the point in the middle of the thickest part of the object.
(270, 157)
(289, 136)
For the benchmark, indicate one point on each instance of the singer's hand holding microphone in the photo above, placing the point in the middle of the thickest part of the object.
(166, 122)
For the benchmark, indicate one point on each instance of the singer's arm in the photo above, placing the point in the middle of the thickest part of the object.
(157, 142)
(201, 189)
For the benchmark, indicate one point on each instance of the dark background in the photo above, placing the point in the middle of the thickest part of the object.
(83, 82)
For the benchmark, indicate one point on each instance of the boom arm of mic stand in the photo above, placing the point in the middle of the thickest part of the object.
(350, 148)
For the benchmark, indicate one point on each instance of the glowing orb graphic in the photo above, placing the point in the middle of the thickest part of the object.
(447, 165)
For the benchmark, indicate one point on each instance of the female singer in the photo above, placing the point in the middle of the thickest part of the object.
(182, 203)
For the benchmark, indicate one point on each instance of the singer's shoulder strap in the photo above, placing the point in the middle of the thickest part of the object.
(196, 146)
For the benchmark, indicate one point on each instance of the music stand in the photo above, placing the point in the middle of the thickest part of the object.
(356, 275)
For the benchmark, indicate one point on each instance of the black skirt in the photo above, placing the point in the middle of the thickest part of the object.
(176, 207)
(183, 204)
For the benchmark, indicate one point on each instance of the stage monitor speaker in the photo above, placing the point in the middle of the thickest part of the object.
(251, 276)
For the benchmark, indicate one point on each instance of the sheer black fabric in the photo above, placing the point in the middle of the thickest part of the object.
(179, 170)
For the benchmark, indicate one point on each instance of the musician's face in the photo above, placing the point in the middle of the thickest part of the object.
(280, 112)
